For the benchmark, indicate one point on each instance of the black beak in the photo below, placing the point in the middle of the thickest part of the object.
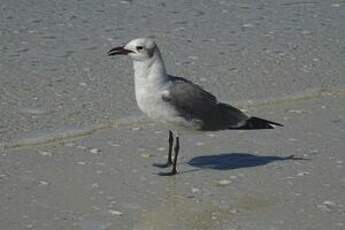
(118, 51)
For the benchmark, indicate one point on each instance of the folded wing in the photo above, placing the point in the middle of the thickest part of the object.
(194, 103)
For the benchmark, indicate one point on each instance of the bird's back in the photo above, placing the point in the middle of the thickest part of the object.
(197, 105)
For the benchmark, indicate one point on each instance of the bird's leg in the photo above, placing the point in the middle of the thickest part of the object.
(171, 143)
(177, 148)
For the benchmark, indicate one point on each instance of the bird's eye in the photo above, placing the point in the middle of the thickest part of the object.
(139, 48)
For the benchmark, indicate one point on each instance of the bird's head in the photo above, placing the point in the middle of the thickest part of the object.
(140, 49)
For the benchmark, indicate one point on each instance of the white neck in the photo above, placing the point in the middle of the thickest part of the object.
(150, 71)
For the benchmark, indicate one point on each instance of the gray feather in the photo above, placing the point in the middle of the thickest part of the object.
(194, 103)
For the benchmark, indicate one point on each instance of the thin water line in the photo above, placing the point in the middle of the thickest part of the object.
(64, 135)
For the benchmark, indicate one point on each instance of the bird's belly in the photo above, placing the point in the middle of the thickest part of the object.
(155, 108)
(160, 111)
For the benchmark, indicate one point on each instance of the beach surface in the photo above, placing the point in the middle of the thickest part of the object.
(76, 152)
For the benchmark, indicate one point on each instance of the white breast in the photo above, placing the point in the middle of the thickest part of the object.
(149, 100)
(151, 83)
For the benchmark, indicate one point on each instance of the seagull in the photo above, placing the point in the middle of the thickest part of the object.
(177, 103)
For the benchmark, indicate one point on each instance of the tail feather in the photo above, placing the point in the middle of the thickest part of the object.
(259, 123)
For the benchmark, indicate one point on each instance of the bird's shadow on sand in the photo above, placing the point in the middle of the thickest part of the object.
(227, 161)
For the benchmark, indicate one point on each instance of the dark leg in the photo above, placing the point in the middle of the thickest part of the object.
(171, 142)
(169, 162)
(177, 148)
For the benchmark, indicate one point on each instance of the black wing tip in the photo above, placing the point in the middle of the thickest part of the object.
(259, 123)
(276, 124)
(263, 122)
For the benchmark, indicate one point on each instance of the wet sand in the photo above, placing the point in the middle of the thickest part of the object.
(76, 153)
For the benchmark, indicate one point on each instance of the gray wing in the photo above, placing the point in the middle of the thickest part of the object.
(189, 99)
(194, 103)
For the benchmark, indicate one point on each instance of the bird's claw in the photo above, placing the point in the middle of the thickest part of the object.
(171, 173)
(162, 165)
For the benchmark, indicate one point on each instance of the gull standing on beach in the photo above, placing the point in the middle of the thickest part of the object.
(176, 102)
